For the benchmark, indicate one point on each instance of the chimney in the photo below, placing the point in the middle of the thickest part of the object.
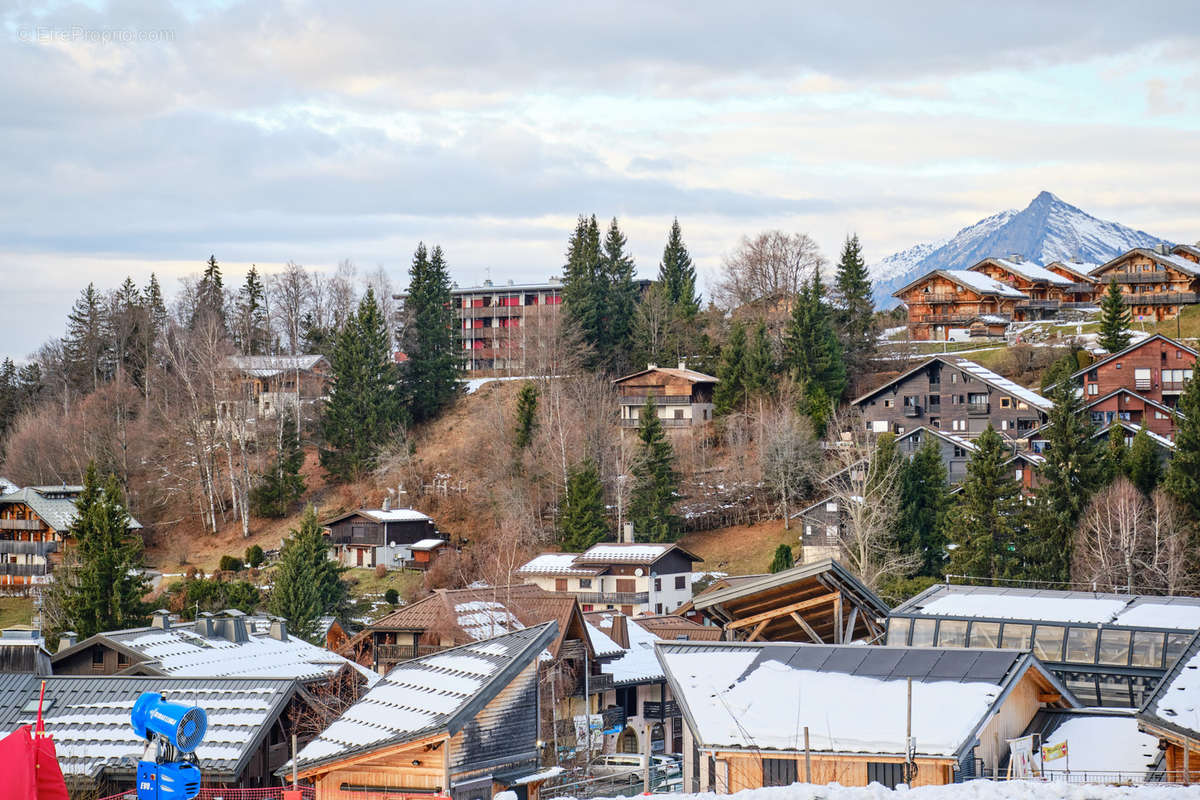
(232, 627)
(1016, 258)
(683, 363)
(651, 365)
(205, 625)
(627, 533)
(1165, 249)
(161, 620)
(67, 639)
(387, 502)
(279, 629)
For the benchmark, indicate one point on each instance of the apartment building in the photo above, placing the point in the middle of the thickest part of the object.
(1140, 384)
(1155, 284)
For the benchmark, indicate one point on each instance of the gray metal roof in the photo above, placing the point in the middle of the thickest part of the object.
(54, 504)
(439, 692)
(1174, 703)
(89, 718)
(268, 366)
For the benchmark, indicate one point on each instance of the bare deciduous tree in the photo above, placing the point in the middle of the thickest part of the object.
(291, 291)
(766, 269)
(788, 453)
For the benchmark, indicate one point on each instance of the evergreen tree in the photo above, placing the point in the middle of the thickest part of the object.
(363, 411)
(430, 340)
(1073, 469)
(583, 286)
(307, 584)
(8, 398)
(1115, 454)
(783, 559)
(283, 484)
(813, 354)
(152, 297)
(855, 308)
(677, 274)
(1182, 480)
(1115, 319)
(210, 295)
(100, 586)
(924, 505)
(87, 347)
(620, 299)
(1143, 467)
(760, 362)
(652, 501)
(1059, 372)
(527, 401)
(985, 522)
(730, 390)
(251, 334)
(582, 522)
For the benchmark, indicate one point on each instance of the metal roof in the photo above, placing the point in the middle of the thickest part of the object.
(798, 573)
(89, 718)
(55, 505)
(1175, 703)
(269, 366)
(439, 692)
(979, 371)
(1131, 348)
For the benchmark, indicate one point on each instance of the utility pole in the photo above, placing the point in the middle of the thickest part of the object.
(909, 746)
(807, 758)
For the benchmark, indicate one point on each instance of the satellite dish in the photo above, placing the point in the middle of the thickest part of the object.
(653, 574)
(639, 572)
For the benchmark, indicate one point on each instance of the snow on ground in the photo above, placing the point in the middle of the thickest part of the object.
(972, 790)
(474, 383)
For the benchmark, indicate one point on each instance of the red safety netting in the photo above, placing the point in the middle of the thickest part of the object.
(269, 793)
(30, 765)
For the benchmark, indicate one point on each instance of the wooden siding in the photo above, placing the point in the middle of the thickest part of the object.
(745, 770)
(1148, 285)
(939, 303)
(506, 729)
(1010, 721)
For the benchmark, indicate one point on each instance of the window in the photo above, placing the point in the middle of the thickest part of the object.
(831, 508)
(587, 607)
(1147, 649)
(1081, 645)
(936, 422)
(1048, 642)
(1020, 475)
(1006, 402)
(1176, 644)
(922, 632)
(952, 633)
(984, 634)
(960, 452)
(679, 413)
(97, 659)
(889, 775)
(1093, 389)
(658, 585)
(585, 583)
(560, 584)
(888, 403)
(681, 581)
(1016, 636)
(898, 631)
(778, 771)
(1114, 648)
(658, 608)
(935, 400)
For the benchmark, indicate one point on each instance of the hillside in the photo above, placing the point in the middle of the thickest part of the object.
(1046, 230)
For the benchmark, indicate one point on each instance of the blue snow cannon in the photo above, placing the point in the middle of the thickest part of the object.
(172, 731)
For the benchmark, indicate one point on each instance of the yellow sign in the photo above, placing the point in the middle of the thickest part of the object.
(1051, 752)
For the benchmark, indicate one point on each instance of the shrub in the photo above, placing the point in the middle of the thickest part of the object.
(230, 564)
(255, 556)
(381, 571)
(391, 597)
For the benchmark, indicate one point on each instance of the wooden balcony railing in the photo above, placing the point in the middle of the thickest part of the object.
(615, 598)
(667, 422)
(26, 570)
(22, 525)
(657, 710)
(28, 548)
(1135, 277)
(1160, 298)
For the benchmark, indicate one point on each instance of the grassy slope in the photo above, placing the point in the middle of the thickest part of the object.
(1188, 325)
(742, 549)
(15, 611)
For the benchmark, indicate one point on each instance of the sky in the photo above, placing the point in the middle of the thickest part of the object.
(145, 135)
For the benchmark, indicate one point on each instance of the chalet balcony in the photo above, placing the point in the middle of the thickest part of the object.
(667, 422)
(657, 710)
(615, 598)
(1077, 288)
(614, 717)
(28, 548)
(1161, 298)
(1174, 387)
(395, 653)
(25, 570)
(912, 411)
(945, 319)
(659, 399)
(1135, 277)
(22, 525)
(1038, 305)
(1083, 304)
(595, 685)
(1143, 384)
(938, 298)
(979, 409)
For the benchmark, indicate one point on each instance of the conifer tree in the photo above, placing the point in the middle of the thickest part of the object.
(760, 362)
(210, 295)
(677, 274)
(1182, 479)
(1115, 319)
(813, 354)
(307, 584)
(1143, 467)
(730, 390)
(1115, 454)
(620, 300)
(124, 324)
(783, 559)
(652, 501)
(582, 522)
(583, 285)
(855, 308)
(527, 401)
(1072, 471)
(250, 331)
(86, 344)
(985, 521)
(430, 375)
(363, 410)
(152, 297)
(283, 484)
(924, 505)
(100, 586)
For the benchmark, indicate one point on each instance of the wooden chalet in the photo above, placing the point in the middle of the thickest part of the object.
(1082, 292)
(1172, 713)
(1043, 287)
(1155, 284)
(683, 397)
(751, 709)
(819, 602)
(950, 304)
(461, 724)
(392, 537)
(1155, 369)
(265, 386)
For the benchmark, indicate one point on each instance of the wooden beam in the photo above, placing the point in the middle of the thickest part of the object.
(757, 630)
(807, 628)
(848, 636)
(837, 618)
(782, 611)
(871, 626)
(1049, 697)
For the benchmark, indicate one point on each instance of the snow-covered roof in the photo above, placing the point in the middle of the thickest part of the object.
(88, 716)
(1004, 384)
(602, 643)
(55, 505)
(1107, 741)
(555, 564)
(982, 283)
(183, 651)
(270, 366)
(434, 693)
(1080, 269)
(482, 619)
(1025, 269)
(690, 375)
(1175, 613)
(427, 544)
(1135, 429)
(1184, 265)
(851, 698)
(613, 553)
(639, 663)
(1175, 703)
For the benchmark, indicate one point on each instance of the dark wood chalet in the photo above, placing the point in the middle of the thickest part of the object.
(1155, 284)
(1155, 369)
(1043, 287)
(948, 304)
(370, 537)
(683, 397)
